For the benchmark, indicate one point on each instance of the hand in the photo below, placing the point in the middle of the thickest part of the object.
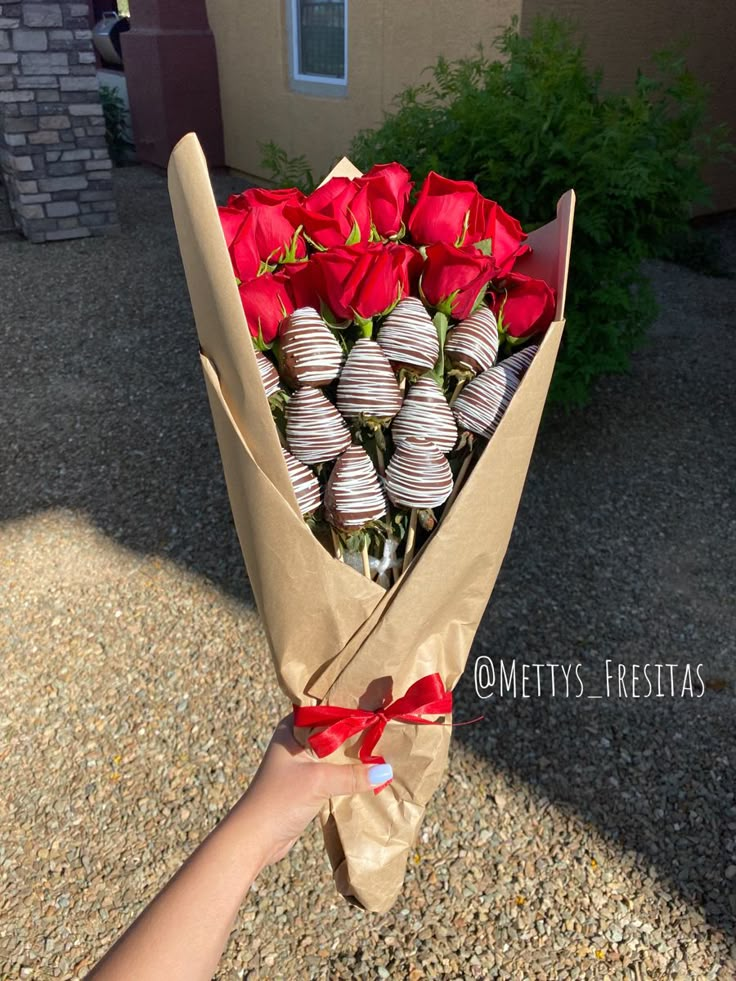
(182, 933)
(290, 787)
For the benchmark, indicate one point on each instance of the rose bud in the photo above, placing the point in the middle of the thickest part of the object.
(526, 307)
(388, 187)
(337, 212)
(266, 302)
(490, 223)
(442, 211)
(357, 282)
(454, 278)
(272, 233)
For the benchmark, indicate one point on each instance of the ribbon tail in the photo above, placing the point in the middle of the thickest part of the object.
(373, 734)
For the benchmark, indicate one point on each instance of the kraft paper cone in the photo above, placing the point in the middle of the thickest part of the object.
(335, 636)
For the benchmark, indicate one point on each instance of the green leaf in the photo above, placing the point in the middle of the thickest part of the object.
(290, 254)
(445, 306)
(366, 326)
(329, 317)
(463, 234)
(478, 301)
(354, 236)
(258, 342)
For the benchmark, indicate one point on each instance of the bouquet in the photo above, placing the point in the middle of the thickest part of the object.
(378, 329)
(376, 371)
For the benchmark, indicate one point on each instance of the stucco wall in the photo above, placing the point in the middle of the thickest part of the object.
(391, 41)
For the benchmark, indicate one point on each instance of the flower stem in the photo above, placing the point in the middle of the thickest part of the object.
(366, 560)
(337, 545)
(410, 539)
(458, 388)
(380, 465)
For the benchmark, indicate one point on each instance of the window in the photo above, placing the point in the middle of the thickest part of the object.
(319, 41)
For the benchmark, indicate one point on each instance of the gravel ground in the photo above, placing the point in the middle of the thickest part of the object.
(572, 838)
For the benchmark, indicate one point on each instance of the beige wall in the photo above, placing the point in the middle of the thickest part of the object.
(391, 41)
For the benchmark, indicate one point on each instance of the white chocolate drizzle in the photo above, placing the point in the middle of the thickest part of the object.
(519, 361)
(311, 355)
(354, 496)
(408, 335)
(269, 375)
(305, 484)
(367, 384)
(418, 475)
(473, 343)
(425, 412)
(315, 431)
(483, 401)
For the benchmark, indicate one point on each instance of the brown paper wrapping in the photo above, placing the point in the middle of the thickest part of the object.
(335, 636)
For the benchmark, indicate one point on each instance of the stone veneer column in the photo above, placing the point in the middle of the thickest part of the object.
(53, 154)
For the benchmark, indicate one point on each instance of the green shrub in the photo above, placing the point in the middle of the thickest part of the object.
(114, 112)
(286, 171)
(535, 123)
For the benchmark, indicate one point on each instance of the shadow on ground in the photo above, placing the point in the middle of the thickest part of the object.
(623, 549)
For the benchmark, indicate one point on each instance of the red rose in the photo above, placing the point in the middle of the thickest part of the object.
(453, 278)
(507, 242)
(266, 301)
(526, 307)
(361, 281)
(231, 219)
(388, 186)
(278, 198)
(412, 263)
(243, 255)
(333, 213)
(304, 283)
(268, 226)
(488, 221)
(442, 211)
(243, 252)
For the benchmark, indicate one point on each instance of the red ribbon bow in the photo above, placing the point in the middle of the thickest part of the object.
(425, 697)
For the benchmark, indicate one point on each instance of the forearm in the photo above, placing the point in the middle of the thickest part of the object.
(183, 932)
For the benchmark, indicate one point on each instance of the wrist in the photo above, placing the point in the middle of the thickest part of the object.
(245, 839)
(254, 832)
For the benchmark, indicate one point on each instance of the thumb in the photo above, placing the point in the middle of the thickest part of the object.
(337, 781)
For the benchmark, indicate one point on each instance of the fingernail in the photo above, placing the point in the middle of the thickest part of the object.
(381, 773)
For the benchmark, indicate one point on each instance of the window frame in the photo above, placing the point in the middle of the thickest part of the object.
(300, 77)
